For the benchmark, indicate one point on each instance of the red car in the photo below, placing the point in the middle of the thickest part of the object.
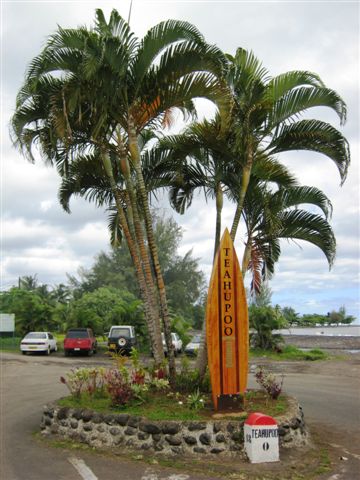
(80, 340)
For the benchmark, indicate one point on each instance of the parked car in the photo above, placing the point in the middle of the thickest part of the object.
(80, 340)
(194, 345)
(38, 342)
(176, 341)
(122, 338)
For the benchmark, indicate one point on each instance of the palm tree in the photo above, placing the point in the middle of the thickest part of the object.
(29, 282)
(92, 92)
(265, 117)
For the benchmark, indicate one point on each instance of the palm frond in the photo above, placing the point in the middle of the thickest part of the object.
(296, 101)
(292, 197)
(115, 228)
(316, 136)
(156, 40)
(302, 225)
(278, 86)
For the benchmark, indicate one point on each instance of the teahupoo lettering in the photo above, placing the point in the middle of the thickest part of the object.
(264, 433)
(228, 327)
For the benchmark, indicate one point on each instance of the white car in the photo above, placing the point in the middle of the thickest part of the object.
(38, 342)
(176, 341)
(193, 347)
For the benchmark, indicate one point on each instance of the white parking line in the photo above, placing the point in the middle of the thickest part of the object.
(82, 468)
(151, 475)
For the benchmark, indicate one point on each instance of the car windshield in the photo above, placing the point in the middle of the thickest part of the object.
(196, 339)
(77, 334)
(119, 332)
(35, 335)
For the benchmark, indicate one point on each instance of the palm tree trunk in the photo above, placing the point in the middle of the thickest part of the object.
(202, 359)
(132, 206)
(219, 206)
(149, 314)
(135, 156)
(242, 194)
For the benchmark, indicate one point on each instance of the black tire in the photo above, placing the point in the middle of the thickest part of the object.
(24, 353)
(66, 353)
(90, 353)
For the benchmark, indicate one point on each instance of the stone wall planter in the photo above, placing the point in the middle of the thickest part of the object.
(211, 437)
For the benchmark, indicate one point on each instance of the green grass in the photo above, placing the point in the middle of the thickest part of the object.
(325, 463)
(290, 352)
(160, 406)
(9, 344)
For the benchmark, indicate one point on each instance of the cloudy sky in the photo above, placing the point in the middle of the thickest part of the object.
(320, 36)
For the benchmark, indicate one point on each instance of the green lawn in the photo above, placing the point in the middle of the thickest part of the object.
(290, 352)
(162, 406)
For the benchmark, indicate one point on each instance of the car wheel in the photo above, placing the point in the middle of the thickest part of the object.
(90, 352)
(66, 353)
(24, 353)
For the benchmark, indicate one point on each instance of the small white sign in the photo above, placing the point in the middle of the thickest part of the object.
(261, 438)
(7, 322)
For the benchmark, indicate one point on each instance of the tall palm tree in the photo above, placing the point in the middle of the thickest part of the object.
(93, 91)
(266, 112)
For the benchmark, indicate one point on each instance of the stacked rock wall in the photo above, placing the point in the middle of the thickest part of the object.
(212, 437)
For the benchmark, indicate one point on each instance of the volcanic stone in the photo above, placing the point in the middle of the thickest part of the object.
(149, 428)
(173, 440)
(62, 413)
(171, 428)
(192, 427)
(122, 419)
(190, 440)
(205, 439)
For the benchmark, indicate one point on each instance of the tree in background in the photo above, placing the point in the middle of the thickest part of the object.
(263, 319)
(291, 317)
(104, 307)
(340, 316)
(32, 311)
(184, 281)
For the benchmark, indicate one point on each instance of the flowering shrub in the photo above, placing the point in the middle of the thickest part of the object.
(269, 382)
(159, 384)
(118, 387)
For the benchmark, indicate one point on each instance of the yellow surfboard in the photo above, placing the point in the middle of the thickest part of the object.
(227, 325)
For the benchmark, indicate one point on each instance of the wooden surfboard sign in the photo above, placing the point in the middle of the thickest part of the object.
(227, 325)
